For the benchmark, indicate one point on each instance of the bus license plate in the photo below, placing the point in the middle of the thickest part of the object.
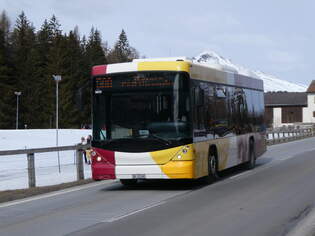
(138, 176)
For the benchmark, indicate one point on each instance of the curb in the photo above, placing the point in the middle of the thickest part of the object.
(305, 227)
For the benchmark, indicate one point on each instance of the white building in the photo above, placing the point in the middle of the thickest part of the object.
(286, 108)
(309, 111)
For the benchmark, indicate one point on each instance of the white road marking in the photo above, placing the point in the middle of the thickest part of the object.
(238, 175)
(305, 227)
(52, 194)
(132, 213)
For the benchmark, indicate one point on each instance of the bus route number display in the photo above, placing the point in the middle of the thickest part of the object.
(132, 82)
(104, 82)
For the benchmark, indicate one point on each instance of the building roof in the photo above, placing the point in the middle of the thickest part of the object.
(281, 99)
(311, 88)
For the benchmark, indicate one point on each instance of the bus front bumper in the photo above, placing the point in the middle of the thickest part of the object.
(170, 170)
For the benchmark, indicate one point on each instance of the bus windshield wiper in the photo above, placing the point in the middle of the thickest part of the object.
(160, 138)
(165, 141)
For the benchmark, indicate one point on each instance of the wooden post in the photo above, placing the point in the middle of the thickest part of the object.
(273, 138)
(31, 170)
(79, 162)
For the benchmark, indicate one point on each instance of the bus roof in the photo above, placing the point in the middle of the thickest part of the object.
(216, 74)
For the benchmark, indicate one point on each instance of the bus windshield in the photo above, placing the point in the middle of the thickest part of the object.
(151, 107)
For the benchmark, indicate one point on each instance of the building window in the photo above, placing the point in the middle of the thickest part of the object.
(313, 113)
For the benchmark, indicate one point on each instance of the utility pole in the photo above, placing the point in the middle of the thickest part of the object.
(17, 108)
(57, 78)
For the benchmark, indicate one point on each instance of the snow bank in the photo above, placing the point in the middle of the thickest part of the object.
(13, 168)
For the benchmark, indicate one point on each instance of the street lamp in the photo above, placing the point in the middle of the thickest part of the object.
(17, 108)
(57, 78)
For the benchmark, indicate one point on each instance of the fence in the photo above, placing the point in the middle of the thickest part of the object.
(289, 133)
(273, 136)
(31, 159)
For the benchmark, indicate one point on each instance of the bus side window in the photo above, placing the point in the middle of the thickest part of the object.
(210, 111)
(221, 92)
(199, 96)
(221, 122)
(198, 109)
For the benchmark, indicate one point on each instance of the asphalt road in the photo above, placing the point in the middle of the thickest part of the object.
(269, 200)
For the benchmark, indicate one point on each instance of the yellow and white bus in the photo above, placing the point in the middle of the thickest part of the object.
(173, 119)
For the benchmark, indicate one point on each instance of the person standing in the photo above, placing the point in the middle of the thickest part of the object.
(83, 142)
(88, 150)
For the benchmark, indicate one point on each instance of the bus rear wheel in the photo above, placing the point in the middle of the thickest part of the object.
(128, 182)
(213, 174)
(252, 157)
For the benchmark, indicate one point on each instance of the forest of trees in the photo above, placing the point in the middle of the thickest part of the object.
(29, 58)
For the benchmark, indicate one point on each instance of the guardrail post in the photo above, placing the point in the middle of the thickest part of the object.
(31, 170)
(79, 162)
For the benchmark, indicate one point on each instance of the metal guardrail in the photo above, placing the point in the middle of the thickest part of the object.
(41, 150)
(287, 134)
(273, 136)
(31, 159)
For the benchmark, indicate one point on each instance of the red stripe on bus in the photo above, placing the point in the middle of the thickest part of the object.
(104, 169)
(99, 70)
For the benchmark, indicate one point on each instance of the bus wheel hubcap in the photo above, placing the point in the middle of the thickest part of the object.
(213, 165)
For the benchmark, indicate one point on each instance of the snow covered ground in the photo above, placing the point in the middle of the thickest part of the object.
(13, 168)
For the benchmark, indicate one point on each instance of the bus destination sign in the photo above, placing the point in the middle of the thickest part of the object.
(132, 82)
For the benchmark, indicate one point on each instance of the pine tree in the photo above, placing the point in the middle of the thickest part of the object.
(6, 83)
(45, 83)
(5, 25)
(23, 43)
(72, 69)
(94, 54)
(122, 51)
(28, 59)
(55, 60)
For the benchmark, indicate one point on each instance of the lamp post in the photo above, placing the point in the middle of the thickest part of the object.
(17, 108)
(57, 78)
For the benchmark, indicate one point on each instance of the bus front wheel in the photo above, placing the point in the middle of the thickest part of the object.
(252, 158)
(213, 174)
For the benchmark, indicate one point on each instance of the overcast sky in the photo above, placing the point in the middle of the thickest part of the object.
(274, 36)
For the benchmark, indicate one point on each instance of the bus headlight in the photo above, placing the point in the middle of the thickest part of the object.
(98, 159)
(179, 157)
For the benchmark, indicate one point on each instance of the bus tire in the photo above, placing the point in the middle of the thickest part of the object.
(128, 182)
(213, 174)
(252, 158)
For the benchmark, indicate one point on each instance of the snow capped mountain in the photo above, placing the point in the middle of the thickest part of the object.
(271, 83)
